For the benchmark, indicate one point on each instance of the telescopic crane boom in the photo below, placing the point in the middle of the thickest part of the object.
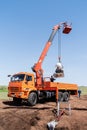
(37, 68)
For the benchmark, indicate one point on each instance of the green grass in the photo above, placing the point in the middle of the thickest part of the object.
(3, 92)
(3, 89)
(83, 90)
(3, 95)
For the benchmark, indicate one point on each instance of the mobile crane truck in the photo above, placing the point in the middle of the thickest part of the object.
(26, 86)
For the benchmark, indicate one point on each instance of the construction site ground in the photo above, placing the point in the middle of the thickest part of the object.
(24, 117)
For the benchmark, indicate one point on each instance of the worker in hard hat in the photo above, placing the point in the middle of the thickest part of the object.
(52, 78)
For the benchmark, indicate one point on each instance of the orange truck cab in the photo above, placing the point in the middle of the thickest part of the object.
(21, 84)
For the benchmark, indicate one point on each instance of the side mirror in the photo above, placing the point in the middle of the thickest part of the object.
(9, 75)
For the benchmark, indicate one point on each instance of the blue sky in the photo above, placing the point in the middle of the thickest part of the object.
(25, 26)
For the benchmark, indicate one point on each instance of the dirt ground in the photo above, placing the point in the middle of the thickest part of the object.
(24, 117)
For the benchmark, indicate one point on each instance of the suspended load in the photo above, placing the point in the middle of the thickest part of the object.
(59, 72)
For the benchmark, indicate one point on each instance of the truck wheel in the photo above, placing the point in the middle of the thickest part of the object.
(32, 99)
(60, 96)
(17, 101)
(65, 96)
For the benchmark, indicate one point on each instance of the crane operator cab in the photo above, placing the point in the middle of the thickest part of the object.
(59, 72)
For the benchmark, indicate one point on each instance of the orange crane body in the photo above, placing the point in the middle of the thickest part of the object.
(26, 86)
(37, 67)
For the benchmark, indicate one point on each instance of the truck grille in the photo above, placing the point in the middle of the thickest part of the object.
(14, 89)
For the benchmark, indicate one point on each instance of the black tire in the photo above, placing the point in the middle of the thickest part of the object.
(17, 101)
(66, 96)
(60, 96)
(32, 99)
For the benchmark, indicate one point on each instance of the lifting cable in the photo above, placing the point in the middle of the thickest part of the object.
(59, 45)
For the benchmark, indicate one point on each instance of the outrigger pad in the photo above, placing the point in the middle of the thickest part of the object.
(58, 75)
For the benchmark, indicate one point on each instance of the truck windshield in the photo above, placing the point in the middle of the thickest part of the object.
(19, 77)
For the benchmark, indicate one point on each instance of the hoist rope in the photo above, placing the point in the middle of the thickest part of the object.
(59, 45)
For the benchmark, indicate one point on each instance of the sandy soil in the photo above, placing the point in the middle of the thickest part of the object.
(24, 117)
